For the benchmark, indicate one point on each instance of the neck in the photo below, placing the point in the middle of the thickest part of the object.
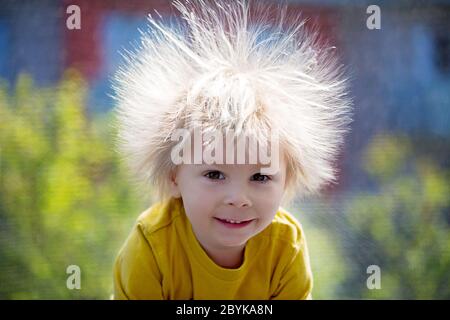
(227, 258)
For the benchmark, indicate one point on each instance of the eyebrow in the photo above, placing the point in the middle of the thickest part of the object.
(218, 168)
(224, 166)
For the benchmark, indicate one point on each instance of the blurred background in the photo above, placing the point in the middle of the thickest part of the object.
(65, 197)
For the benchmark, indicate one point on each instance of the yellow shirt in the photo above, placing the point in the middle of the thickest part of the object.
(162, 259)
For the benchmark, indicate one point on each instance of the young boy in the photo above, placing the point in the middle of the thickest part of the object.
(217, 230)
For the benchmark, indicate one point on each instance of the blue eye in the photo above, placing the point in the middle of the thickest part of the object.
(215, 175)
(260, 177)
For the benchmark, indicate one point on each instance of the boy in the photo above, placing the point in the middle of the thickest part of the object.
(224, 78)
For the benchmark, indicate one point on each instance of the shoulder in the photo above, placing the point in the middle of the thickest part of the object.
(292, 276)
(285, 228)
(159, 216)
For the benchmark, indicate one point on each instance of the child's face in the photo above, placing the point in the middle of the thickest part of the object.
(213, 195)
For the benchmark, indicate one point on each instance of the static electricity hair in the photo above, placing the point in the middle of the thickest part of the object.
(231, 65)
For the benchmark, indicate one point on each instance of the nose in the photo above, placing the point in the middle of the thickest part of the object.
(238, 203)
(238, 199)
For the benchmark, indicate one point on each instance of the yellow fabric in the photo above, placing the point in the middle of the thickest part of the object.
(162, 259)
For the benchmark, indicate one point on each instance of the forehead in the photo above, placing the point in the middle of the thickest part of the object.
(229, 168)
(225, 149)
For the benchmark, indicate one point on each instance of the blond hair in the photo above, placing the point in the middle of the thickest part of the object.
(226, 68)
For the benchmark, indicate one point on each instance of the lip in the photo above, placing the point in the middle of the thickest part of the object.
(231, 225)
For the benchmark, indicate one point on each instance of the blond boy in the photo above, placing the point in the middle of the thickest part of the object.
(218, 230)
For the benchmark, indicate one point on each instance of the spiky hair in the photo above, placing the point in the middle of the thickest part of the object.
(225, 66)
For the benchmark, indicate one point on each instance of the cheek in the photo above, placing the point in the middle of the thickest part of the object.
(198, 192)
(198, 202)
(267, 209)
(268, 201)
(270, 193)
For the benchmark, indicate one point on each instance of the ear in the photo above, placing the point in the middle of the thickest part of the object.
(173, 184)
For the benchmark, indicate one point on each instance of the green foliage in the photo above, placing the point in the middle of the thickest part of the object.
(327, 259)
(402, 226)
(64, 199)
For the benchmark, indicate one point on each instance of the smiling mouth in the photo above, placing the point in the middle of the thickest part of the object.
(234, 223)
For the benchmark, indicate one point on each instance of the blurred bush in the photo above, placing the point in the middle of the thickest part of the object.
(64, 196)
(402, 225)
(65, 200)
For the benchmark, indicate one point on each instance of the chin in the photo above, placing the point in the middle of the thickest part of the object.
(234, 242)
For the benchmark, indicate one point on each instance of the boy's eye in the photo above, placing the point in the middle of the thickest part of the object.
(215, 175)
(260, 177)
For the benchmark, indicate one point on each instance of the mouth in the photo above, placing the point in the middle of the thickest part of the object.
(230, 223)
